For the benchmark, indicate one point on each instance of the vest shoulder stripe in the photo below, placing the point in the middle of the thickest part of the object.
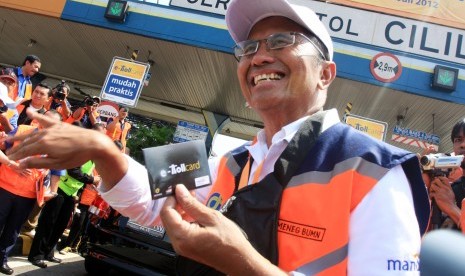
(232, 165)
(324, 262)
(356, 164)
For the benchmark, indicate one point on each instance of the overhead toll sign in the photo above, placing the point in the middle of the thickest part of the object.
(391, 32)
(375, 129)
(385, 67)
(449, 13)
(210, 6)
(124, 81)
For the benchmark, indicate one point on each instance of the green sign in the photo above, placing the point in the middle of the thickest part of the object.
(445, 78)
(116, 10)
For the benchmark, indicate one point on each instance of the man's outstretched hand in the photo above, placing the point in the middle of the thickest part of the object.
(58, 145)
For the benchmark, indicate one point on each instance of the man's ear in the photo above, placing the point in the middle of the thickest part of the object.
(327, 75)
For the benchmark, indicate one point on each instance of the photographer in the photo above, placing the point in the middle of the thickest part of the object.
(449, 197)
(87, 114)
(59, 101)
(118, 127)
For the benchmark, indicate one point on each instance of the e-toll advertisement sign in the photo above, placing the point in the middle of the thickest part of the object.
(124, 81)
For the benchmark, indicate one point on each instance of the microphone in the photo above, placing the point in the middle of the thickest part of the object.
(443, 253)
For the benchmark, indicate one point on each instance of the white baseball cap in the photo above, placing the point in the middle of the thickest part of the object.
(4, 97)
(242, 15)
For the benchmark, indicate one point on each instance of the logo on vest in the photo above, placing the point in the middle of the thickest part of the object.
(214, 201)
(301, 230)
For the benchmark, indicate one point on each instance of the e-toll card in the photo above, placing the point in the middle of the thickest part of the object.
(183, 163)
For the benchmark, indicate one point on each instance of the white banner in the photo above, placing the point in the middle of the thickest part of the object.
(391, 32)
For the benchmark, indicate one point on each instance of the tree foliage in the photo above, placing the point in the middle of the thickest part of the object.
(143, 136)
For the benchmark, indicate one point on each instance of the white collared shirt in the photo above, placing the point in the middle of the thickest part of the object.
(259, 151)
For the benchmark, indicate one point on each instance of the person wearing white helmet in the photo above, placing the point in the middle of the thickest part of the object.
(309, 196)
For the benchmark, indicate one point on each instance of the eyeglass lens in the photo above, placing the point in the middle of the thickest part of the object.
(273, 42)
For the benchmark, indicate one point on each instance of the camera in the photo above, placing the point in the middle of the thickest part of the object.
(439, 164)
(59, 92)
(89, 101)
(440, 161)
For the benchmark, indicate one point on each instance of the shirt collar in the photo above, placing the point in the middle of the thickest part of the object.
(20, 73)
(331, 118)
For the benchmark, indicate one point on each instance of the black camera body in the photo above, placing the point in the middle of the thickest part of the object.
(89, 101)
(59, 92)
(60, 95)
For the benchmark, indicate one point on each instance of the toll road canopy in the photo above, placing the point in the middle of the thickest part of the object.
(124, 81)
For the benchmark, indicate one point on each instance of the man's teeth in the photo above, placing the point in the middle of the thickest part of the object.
(264, 77)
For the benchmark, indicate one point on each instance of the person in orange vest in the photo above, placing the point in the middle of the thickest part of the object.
(87, 114)
(31, 66)
(310, 195)
(39, 99)
(18, 194)
(58, 100)
(118, 127)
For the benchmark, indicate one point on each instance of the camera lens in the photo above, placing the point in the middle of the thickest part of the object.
(424, 160)
(60, 95)
(89, 102)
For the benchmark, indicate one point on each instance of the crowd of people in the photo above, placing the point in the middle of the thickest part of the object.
(40, 203)
(310, 195)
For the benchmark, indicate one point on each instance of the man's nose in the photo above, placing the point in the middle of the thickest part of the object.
(263, 55)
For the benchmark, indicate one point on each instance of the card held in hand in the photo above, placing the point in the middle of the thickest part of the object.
(183, 163)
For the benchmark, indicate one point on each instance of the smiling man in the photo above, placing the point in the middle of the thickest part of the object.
(309, 196)
(31, 66)
(40, 96)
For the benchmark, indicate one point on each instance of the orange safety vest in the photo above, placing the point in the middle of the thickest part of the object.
(9, 114)
(89, 193)
(309, 229)
(118, 132)
(71, 120)
(27, 93)
(16, 183)
(20, 108)
(59, 110)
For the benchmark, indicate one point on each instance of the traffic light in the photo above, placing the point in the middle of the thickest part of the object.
(445, 78)
(116, 10)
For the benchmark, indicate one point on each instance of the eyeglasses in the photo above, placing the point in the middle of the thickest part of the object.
(459, 140)
(273, 42)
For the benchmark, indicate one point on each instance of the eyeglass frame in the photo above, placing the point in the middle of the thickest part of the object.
(257, 41)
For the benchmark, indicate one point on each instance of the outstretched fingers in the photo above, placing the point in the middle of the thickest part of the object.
(42, 162)
(28, 146)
